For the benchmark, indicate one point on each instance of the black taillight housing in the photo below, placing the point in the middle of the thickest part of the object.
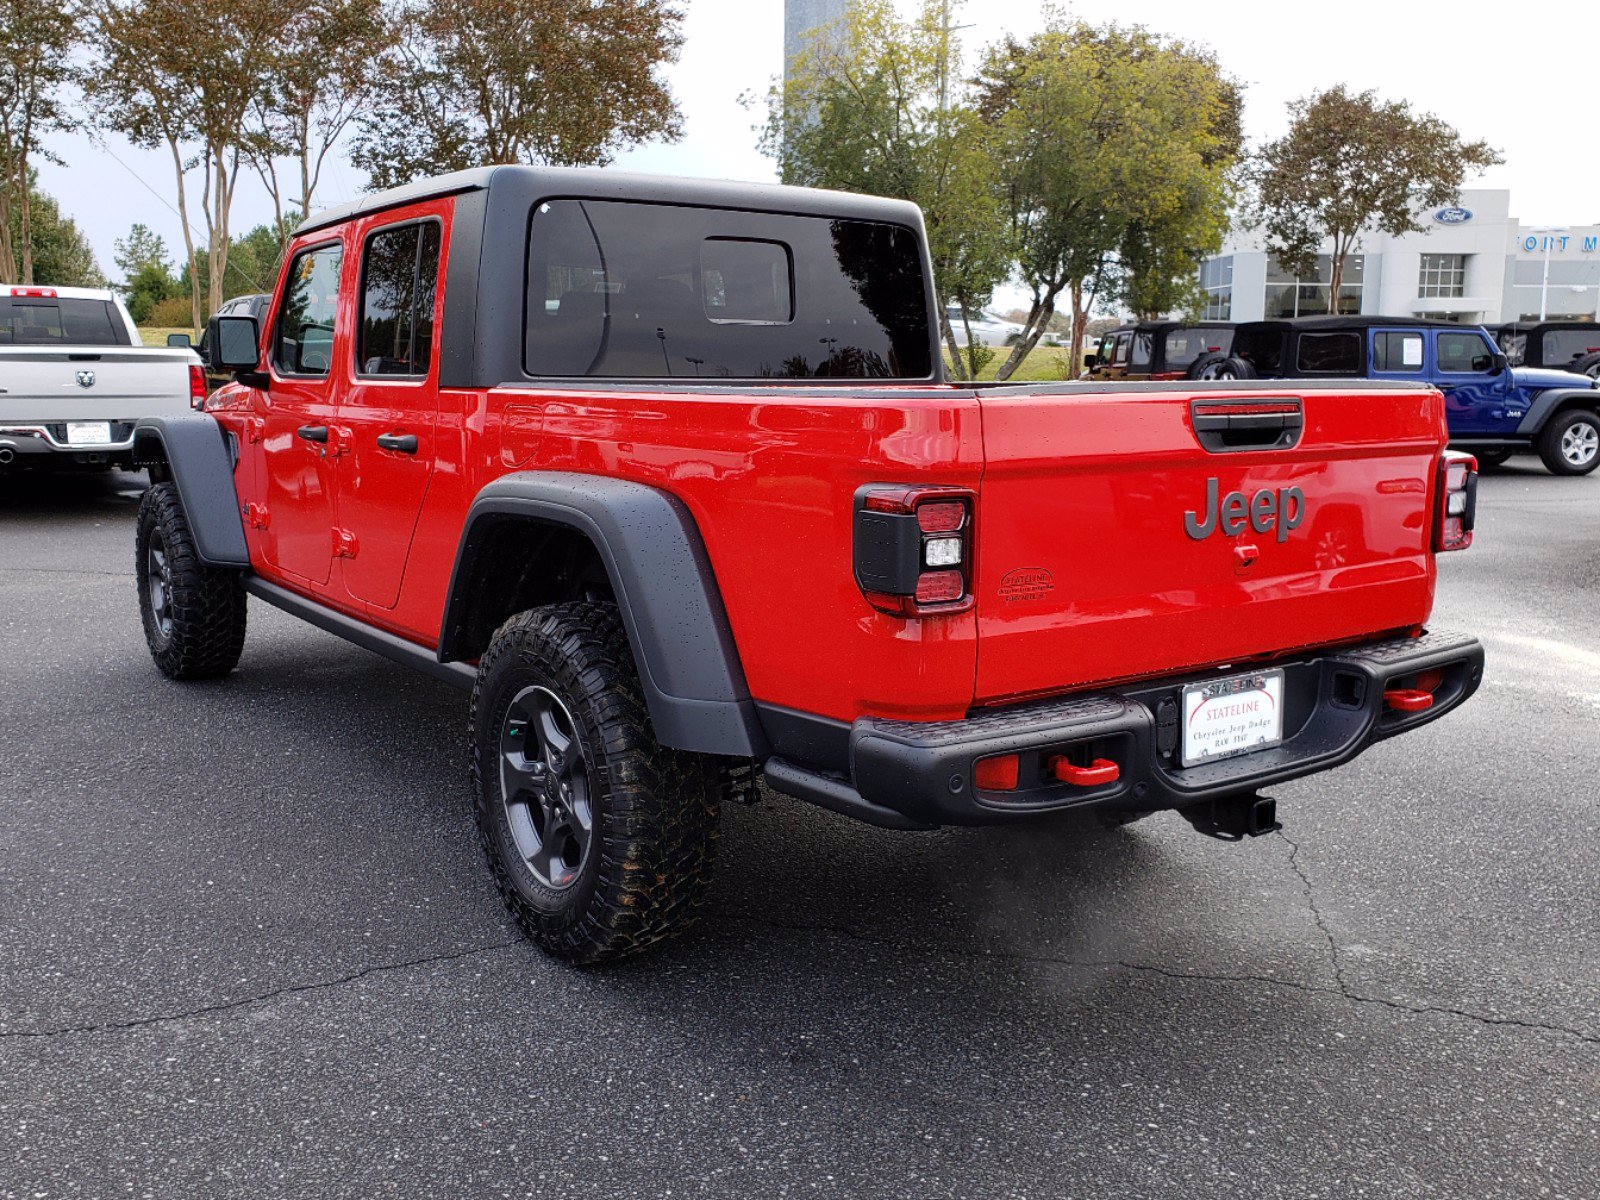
(913, 548)
(1457, 500)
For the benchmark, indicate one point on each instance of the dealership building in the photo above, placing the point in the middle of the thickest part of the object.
(1476, 263)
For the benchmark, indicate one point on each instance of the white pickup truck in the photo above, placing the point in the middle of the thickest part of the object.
(74, 378)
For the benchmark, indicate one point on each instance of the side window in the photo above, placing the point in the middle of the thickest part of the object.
(1143, 348)
(1464, 353)
(1119, 351)
(1330, 353)
(1396, 351)
(399, 279)
(302, 343)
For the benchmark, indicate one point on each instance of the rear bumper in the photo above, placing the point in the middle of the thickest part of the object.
(44, 443)
(908, 774)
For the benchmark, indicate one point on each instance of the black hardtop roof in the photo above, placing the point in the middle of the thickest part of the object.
(1327, 324)
(1542, 326)
(1167, 326)
(605, 184)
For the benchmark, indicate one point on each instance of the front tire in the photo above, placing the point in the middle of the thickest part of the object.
(194, 615)
(1491, 460)
(601, 840)
(1569, 444)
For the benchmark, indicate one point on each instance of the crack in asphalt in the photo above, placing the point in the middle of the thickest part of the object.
(1316, 915)
(207, 1010)
(1341, 992)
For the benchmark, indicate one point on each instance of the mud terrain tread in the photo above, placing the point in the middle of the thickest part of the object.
(208, 603)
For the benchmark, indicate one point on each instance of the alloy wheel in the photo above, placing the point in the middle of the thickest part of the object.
(1580, 443)
(159, 571)
(544, 786)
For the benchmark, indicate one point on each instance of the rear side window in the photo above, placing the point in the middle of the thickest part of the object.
(46, 321)
(1396, 351)
(399, 279)
(1330, 353)
(302, 344)
(621, 289)
(1564, 346)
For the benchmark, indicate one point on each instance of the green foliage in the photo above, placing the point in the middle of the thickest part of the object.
(37, 68)
(1351, 162)
(875, 105)
(61, 254)
(474, 82)
(1116, 149)
(171, 313)
(253, 262)
(146, 272)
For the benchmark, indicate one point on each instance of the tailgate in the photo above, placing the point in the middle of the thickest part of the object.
(60, 384)
(1116, 540)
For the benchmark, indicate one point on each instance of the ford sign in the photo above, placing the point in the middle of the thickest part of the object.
(1453, 216)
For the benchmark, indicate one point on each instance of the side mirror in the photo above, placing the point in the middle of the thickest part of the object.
(233, 344)
(180, 340)
(1091, 361)
(1499, 363)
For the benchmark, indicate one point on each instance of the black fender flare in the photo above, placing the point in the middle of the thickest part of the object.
(1547, 403)
(195, 452)
(662, 578)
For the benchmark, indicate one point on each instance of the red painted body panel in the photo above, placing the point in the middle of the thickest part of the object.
(1083, 570)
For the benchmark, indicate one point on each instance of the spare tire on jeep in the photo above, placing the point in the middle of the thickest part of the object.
(1220, 366)
(1588, 365)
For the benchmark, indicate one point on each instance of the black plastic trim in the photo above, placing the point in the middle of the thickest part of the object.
(664, 585)
(358, 632)
(1546, 404)
(196, 455)
(806, 739)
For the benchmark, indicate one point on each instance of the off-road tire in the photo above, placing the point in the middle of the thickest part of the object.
(1492, 460)
(1588, 365)
(1553, 433)
(202, 633)
(653, 810)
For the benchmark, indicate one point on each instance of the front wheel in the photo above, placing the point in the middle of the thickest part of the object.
(1491, 460)
(193, 614)
(601, 840)
(1569, 444)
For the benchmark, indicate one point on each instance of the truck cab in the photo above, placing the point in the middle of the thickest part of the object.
(1493, 408)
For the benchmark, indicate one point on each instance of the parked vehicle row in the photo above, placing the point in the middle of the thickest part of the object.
(1494, 408)
(601, 477)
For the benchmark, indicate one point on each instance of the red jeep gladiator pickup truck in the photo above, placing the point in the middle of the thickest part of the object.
(665, 472)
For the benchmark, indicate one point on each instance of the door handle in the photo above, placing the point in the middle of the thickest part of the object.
(312, 433)
(400, 443)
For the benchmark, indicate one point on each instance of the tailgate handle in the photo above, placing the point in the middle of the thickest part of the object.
(1229, 426)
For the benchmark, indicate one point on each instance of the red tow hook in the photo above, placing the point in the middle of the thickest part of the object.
(1102, 770)
(1408, 699)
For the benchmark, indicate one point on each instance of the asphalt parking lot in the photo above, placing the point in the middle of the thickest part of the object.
(247, 946)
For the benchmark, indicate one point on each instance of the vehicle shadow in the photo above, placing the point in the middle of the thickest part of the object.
(69, 495)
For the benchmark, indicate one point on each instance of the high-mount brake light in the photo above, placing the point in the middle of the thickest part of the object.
(913, 549)
(34, 293)
(1457, 501)
(197, 386)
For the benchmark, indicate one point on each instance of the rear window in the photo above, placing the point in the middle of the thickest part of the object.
(630, 290)
(1564, 346)
(1329, 354)
(42, 321)
(1392, 351)
(1184, 346)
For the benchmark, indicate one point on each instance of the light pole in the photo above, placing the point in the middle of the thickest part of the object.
(1544, 284)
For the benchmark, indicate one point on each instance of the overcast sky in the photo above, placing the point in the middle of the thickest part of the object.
(1524, 79)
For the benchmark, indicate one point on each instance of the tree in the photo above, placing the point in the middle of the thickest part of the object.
(325, 71)
(1116, 150)
(146, 271)
(61, 255)
(475, 82)
(185, 74)
(1350, 163)
(867, 107)
(37, 40)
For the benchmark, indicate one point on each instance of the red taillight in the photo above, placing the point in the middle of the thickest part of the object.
(36, 293)
(1457, 493)
(997, 774)
(197, 386)
(913, 549)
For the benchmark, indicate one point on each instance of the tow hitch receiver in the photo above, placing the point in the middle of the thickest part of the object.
(1234, 818)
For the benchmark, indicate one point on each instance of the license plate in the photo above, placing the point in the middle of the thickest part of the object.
(1232, 716)
(88, 433)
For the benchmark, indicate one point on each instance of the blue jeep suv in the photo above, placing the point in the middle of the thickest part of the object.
(1494, 410)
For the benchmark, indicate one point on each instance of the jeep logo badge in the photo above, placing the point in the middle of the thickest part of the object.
(85, 378)
(1283, 510)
